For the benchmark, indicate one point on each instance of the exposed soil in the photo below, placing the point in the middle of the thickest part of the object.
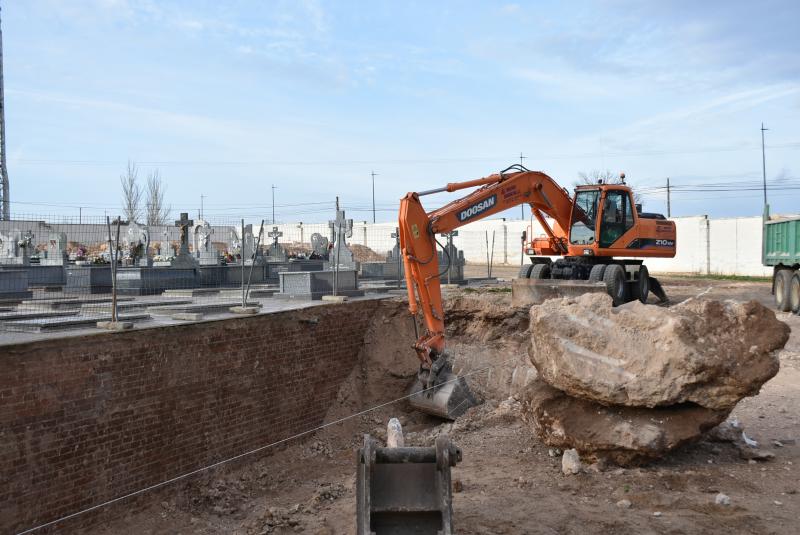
(509, 482)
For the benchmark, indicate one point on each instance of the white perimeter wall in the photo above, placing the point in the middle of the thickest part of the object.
(729, 246)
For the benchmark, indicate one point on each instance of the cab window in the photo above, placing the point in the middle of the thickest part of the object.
(584, 217)
(617, 217)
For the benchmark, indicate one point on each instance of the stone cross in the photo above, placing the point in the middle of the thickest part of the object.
(184, 223)
(395, 253)
(275, 234)
(341, 228)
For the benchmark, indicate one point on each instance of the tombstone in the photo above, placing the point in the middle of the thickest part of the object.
(15, 248)
(138, 242)
(389, 269)
(184, 258)
(319, 246)
(204, 251)
(451, 254)
(56, 253)
(276, 252)
(164, 249)
(341, 255)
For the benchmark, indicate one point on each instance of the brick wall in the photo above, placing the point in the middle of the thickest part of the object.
(86, 419)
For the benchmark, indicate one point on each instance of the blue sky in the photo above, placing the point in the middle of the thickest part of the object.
(228, 98)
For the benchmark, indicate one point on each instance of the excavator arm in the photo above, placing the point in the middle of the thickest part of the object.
(418, 231)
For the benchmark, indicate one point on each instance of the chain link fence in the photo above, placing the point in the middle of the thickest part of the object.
(67, 272)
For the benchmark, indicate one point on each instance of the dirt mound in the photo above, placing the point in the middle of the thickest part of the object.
(623, 435)
(706, 352)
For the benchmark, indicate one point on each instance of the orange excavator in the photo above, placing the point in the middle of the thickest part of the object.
(589, 233)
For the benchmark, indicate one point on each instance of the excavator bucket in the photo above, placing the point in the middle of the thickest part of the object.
(404, 491)
(440, 392)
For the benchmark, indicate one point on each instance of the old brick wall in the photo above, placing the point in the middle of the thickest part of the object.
(87, 419)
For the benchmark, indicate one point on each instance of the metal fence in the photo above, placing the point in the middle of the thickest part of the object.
(59, 273)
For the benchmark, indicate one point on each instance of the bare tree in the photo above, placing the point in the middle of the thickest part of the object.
(157, 212)
(607, 177)
(131, 192)
(595, 175)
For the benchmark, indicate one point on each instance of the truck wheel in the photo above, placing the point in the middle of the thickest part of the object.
(596, 274)
(794, 293)
(525, 271)
(540, 271)
(614, 277)
(644, 283)
(782, 286)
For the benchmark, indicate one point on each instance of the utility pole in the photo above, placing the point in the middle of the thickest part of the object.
(763, 163)
(5, 201)
(669, 207)
(522, 206)
(273, 204)
(374, 174)
(201, 205)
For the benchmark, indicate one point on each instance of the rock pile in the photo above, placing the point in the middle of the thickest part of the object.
(631, 383)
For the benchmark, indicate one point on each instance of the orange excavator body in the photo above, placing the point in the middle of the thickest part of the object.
(599, 223)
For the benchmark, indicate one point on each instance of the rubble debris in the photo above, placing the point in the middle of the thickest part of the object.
(622, 435)
(705, 352)
(571, 462)
(722, 499)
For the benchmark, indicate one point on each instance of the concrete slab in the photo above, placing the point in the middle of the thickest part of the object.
(105, 306)
(526, 292)
(191, 292)
(188, 316)
(206, 307)
(38, 325)
(247, 311)
(115, 325)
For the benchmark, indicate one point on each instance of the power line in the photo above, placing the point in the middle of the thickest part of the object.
(652, 152)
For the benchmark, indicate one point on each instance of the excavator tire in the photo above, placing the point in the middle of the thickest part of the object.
(596, 274)
(783, 282)
(644, 283)
(525, 271)
(540, 271)
(794, 293)
(614, 277)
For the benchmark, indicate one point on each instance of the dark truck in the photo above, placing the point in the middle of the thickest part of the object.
(782, 252)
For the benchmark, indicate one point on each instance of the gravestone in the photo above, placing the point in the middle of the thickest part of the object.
(204, 251)
(138, 242)
(453, 255)
(319, 246)
(165, 249)
(276, 252)
(341, 255)
(15, 248)
(14, 285)
(305, 285)
(184, 258)
(391, 268)
(56, 252)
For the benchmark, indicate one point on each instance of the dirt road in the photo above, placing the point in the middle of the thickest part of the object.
(510, 482)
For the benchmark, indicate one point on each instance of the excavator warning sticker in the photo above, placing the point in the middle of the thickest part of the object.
(477, 209)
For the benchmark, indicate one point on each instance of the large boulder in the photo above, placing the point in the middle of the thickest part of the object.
(705, 352)
(621, 435)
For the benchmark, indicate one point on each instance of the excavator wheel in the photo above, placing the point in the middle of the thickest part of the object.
(614, 277)
(540, 271)
(643, 283)
(596, 274)
(525, 271)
